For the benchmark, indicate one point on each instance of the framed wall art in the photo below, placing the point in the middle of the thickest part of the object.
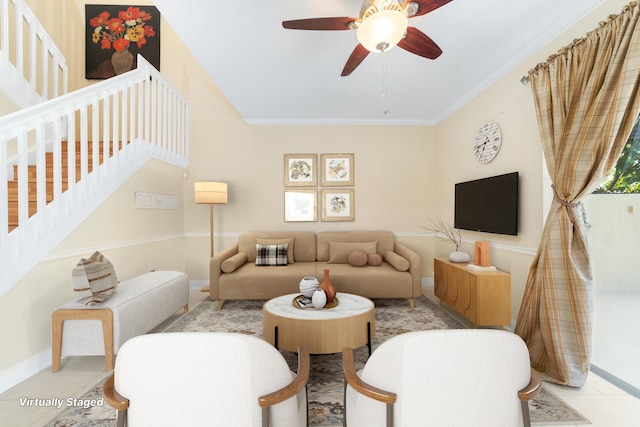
(300, 170)
(337, 170)
(300, 205)
(338, 205)
(116, 34)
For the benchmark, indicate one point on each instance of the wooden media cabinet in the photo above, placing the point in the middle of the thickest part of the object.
(483, 297)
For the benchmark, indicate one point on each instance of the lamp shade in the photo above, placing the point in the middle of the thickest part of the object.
(211, 192)
(382, 30)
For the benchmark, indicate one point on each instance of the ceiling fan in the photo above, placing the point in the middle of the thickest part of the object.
(382, 25)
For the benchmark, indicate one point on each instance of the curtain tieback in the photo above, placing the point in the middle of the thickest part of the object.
(572, 205)
(561, 201)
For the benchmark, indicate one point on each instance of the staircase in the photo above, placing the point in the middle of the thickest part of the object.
(12, 184)
(49, 186)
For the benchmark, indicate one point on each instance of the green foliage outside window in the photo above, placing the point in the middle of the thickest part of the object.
(625, 177)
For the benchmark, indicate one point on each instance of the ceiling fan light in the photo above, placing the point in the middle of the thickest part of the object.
(382, 30)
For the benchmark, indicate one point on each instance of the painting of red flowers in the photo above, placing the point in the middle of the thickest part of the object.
(116, 34)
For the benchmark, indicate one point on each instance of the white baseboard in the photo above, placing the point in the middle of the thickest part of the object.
(25, 369)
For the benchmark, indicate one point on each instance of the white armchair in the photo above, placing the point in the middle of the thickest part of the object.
(460, 377)
(197, 379)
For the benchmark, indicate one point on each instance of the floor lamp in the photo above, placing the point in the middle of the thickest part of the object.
(210, 193)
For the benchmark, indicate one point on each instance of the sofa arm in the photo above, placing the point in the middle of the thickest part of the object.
(215, 269)
(415, 267)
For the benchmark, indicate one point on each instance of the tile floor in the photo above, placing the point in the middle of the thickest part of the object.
(602, 403)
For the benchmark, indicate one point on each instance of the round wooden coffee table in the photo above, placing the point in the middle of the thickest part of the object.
(322, 331)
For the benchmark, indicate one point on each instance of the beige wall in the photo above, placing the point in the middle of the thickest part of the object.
(134, 240)
(404, 176)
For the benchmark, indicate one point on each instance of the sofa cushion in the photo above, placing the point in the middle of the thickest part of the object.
(398, 262)
(339, 251)
(358, 258)
(275, 255)
(384, 239)
(290, 241)
(230, 265)
(374, 260)
(94, 279)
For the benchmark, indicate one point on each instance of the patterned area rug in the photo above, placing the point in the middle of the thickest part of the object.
(325, 386)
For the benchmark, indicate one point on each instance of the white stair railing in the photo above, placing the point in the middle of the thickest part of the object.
(32, 68)
(135, 116)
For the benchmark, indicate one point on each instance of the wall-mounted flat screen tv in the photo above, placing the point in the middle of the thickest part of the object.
(488, 204)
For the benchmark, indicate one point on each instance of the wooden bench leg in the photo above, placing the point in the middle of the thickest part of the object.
(104, 315)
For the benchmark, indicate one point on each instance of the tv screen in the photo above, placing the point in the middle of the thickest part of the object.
(489, 204)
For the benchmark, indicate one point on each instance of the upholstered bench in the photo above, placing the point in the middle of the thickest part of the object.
(139, 305)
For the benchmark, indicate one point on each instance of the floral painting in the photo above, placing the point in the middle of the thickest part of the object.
(300, 170)
(116, 34)
(338, 170)
(338, 205)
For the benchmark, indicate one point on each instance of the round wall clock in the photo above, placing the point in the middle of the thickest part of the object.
(487, 143)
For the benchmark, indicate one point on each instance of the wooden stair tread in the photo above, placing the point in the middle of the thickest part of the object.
(32, 171)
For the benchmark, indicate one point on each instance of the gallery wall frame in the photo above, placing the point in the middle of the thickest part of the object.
(300, 170)
(115, 34)
(338, 204)
(338, 170)
(300, 205)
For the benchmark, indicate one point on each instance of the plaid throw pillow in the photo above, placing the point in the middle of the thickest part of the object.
(271, 254)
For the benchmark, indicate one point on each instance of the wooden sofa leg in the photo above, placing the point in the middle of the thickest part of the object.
(186, 308)
(412, 303)
(220, 302)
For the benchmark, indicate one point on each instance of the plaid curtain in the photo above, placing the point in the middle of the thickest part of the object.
(587, 99)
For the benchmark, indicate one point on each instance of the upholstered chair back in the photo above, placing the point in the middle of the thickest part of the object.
(197, 379)
(445, 378)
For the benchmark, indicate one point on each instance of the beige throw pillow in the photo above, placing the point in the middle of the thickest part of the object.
(396, 261)
(94, 279)
(288, 240)
(358, 258)
(231, 264)
(339, 251)
(374, 260)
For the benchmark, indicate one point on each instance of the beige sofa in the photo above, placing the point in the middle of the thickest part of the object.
(235, 276)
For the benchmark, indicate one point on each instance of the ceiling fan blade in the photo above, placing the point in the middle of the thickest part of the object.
(420, 44)
(425, 6)
(338, 23)
(357, 56)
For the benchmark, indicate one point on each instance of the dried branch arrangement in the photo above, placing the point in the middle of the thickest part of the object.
(444, 231)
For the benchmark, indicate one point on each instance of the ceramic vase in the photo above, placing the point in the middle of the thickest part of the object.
(319, 299)
(327, 286)
(308, 286)
(458, 256)
(122, 61)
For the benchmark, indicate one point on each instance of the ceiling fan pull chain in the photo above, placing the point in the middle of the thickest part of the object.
(384, 94)
(384, 74)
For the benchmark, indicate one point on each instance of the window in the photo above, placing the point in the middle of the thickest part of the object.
(625, 176)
